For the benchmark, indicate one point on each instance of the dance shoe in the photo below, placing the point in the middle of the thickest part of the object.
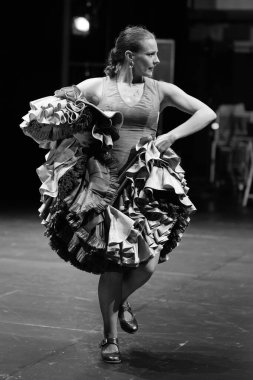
(130, 326)
(110, 357)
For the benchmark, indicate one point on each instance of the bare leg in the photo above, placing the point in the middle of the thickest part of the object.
(136, 278)
(109, 294)
(114, 289)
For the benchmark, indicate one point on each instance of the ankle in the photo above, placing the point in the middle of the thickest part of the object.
(110, 335)
(107, 340)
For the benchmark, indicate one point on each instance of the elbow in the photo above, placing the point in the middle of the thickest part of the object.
(211, 115)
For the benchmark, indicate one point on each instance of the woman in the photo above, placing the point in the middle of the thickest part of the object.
(124, 232)
(129, 88)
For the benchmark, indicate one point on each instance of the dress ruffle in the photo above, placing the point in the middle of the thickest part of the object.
(67, 114)
(93, 217)
(153, 197)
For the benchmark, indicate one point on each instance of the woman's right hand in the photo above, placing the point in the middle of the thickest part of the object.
(164, 142)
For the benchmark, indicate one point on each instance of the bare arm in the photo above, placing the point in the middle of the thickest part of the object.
(202, 115)
(92, 89)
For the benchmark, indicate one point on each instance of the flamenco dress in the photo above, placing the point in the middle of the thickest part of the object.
(109, 199)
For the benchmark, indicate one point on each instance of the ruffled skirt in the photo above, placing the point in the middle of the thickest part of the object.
(95, 217)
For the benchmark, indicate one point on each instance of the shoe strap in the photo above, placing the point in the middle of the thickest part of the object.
(109, 341)
(126, 307)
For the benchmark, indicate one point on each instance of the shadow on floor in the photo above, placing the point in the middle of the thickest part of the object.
(183, 363)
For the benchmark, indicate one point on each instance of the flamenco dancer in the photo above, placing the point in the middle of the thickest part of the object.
(114, 196)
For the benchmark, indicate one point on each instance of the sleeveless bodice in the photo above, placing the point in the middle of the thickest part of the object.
(140, 120)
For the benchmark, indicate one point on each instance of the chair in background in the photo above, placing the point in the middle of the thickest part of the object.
(232, 150)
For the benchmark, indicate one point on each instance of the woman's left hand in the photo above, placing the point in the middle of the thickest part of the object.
(164, 142)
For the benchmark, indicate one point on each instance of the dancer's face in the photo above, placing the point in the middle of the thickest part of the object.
(146, 59)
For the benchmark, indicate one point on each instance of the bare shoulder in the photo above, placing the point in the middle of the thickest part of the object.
(169, 89)
(92, 89)
(168, 92)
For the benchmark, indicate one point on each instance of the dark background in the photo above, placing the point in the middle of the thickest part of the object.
(33, 38)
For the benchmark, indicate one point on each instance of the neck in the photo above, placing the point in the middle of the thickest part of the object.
(125, 77)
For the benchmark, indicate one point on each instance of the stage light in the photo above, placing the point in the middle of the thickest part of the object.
(215, 126)
(80, 26)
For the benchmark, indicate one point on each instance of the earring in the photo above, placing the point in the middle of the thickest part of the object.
(131, 65)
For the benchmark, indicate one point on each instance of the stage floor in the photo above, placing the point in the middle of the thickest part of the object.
(195, 314)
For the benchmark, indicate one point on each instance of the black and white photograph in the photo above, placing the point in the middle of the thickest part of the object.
(126, 197)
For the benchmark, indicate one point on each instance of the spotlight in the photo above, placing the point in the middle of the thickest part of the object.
(80, 26)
